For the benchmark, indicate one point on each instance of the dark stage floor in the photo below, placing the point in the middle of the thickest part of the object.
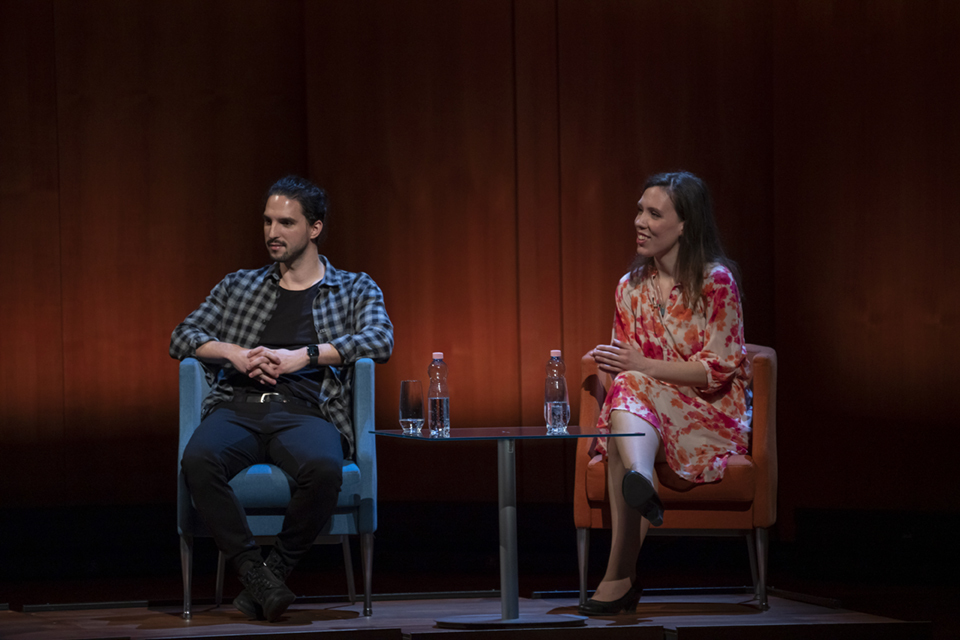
(130, 555)
(716, 616)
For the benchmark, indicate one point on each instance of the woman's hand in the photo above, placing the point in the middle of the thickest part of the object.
(619, 356)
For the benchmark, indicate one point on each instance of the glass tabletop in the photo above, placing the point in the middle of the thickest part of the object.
(501, 433)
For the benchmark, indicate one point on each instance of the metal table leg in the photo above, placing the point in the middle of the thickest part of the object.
(507, 497)
(509, 572)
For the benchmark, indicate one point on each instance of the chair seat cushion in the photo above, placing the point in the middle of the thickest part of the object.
(737, 487)
(266, 486)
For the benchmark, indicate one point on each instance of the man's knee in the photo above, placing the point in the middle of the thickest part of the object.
(198, 463)
(322, 472)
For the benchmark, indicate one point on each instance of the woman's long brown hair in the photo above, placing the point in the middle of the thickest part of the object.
(700, 243)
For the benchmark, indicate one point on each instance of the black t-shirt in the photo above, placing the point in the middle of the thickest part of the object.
(291, 327)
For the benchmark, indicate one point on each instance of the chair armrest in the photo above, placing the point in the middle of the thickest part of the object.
(193, 389)
(365, 441)
(593, 391)
(764, 434)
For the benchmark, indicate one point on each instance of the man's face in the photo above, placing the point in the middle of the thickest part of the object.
(285, 229)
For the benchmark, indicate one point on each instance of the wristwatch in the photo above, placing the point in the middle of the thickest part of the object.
(313, 351)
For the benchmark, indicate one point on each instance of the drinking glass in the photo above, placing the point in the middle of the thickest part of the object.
(411, 406)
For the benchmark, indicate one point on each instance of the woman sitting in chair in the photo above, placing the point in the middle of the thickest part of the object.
(680, 363)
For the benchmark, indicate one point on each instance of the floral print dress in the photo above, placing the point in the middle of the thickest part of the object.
(699, 427)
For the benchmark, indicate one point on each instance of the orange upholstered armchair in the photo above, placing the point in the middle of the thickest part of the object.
(743, 503)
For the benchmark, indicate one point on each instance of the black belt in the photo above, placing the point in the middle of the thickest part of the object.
(273, 396)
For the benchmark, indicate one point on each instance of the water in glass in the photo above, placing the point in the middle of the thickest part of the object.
(411, 406)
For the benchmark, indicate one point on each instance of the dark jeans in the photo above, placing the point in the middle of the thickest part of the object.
(236, 435)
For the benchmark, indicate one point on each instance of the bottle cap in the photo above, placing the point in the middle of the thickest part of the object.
(555, 353)
(438, 355)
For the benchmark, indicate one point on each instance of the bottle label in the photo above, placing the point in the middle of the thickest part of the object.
(440, 417)
(557, 415)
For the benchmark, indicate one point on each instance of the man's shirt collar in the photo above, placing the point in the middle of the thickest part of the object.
(331, 275)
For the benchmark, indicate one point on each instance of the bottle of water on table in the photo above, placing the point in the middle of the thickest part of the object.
(438, 398)
(556, 404)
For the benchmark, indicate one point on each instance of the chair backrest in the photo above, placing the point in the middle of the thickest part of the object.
(194, 388)
(762, 457)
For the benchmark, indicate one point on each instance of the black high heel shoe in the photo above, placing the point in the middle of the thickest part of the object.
(626, 604)
(639, 493)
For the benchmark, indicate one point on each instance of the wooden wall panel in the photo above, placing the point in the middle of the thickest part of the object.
(473, 151)
(173, 119)
(31, 426)
(868, 154)
(657, 86)
(538, 197)
(411, 123)
(637, 98)
(544, 468)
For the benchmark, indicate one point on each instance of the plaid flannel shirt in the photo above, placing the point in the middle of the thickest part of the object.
(348, 313)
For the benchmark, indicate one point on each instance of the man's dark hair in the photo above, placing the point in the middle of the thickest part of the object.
(313, 200)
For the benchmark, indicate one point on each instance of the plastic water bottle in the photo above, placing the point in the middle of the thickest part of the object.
(556, 403)
(438, 398)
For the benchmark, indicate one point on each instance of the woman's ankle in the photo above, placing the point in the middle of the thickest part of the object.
(613, 589)
(646, 473)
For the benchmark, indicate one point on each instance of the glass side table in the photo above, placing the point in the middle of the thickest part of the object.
(506, 438)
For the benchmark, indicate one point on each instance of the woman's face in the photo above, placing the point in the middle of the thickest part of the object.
(658, 226)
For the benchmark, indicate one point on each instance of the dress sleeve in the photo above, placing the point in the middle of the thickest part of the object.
(625, 318)
(723, 351)
(202, 325)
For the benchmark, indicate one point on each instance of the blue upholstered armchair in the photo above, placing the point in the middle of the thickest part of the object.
(267, 488)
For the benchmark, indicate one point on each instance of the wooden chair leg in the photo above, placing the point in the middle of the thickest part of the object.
(348, 565)
(583, 549)
(366, 555)
(186, 569)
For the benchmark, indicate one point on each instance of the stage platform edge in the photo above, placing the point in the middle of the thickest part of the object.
(675, 617)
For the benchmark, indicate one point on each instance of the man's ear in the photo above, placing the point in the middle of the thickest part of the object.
(316, 229)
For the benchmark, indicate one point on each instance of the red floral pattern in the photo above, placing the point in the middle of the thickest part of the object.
(700, 428)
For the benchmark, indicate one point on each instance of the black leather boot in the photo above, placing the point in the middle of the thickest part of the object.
(245, 602)
(269, 595)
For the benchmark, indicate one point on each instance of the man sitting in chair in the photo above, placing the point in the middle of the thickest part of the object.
(278, 344)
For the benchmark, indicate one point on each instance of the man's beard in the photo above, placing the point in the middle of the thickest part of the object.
(292, 254)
